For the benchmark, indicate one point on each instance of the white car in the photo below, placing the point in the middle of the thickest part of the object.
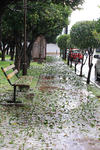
(97, 69)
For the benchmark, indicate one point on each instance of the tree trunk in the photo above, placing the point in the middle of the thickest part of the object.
(60, 52)
(3, 55)
(71, 63)
(90, 52)
(0, 35)
(81, 70)
(28, 52)
(64, 54)
(11, 48)
(29, 49)
(68, 61)
(76, 62)
(83, 63)
(12, 54)
(7, 49)
(89, 73)
(28, 56)
(75, 67)
(18, 59)
(18, 54)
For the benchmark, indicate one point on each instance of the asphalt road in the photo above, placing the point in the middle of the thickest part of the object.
(85, 71)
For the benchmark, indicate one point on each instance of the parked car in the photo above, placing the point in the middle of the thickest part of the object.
(97, 67)
(75, 54)
(97, 64)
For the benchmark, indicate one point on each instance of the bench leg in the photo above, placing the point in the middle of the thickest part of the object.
(14, 97)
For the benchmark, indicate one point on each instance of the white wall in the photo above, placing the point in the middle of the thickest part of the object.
(52, 48)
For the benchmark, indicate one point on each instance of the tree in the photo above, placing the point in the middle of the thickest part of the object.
(96, 32)
(41, 20)
(63, 43)
(82, 36)
(72, 3)
(51, 15)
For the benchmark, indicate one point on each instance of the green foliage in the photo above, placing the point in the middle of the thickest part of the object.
(98, 25)
(96, 32)
(63, 41)
(49, 59)
(96, 35)
(72, 3)
(3, 81)
(82, 34)
(70, 44)
(95, 90)
(46, 18)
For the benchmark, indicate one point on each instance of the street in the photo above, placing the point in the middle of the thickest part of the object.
(85, 71)
(53, 49)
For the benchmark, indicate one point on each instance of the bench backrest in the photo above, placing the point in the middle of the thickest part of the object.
(11, 74)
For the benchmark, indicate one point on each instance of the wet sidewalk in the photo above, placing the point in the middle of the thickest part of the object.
(71, 115)
(63, 115)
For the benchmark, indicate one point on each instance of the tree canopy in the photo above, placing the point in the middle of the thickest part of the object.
(63, 41)
(96, 32)
(72, 3)
(42, 18)
(82, 34)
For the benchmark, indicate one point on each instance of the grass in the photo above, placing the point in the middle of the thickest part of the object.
(49, 59)
(66, 61)
(34, 71)
(6, 90)
(3, 80)
(95, 90)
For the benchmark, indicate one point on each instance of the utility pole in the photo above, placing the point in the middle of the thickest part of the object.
(25, 41)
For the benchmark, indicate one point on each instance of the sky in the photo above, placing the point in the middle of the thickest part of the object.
(90, 11)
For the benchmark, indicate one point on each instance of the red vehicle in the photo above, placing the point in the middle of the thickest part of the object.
(75, 54)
